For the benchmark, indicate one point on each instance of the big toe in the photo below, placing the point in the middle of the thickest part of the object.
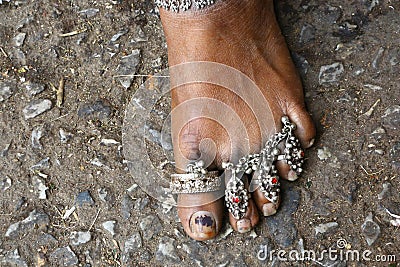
(200, 221)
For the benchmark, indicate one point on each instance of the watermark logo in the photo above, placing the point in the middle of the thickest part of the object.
(341, 252)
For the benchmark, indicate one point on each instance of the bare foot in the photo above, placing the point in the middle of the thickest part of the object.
(244, 36)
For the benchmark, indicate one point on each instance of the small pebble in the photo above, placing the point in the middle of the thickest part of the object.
(324, 153)
(88, 13)
(35, 218)
(128, 66)
(13, 258)
(109, 227)
(118, 35)
(79, 238)
(391, 118)
(126, 206)
(370, 230)
(166, 250)
(40, 187)
(65, 136)
(19, 39)
(150, 226)
(36, 107)
(63, 257)
(331, 74)
(5, 184)
(7, 89)
(84, 198)
(325, 227)
(133, 243)
(33, 89)
(98, 109)
(385, 190)
(43, 164)
(36, 135)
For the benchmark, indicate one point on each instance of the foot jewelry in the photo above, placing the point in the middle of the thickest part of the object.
(199, 180)
(263, 165)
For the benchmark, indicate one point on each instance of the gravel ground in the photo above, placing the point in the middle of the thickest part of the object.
(67, 195)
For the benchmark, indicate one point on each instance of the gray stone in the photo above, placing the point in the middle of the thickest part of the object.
(36, 107)
(45, 239)
(109, 227)
(84, 198)
(79, 238)
(19, 39)
(150, 226)
(378, 58)
(4, 152)
(63, 257)
(370, 230)
(98, 109)
(116, 36)
(324, 153)
(331, 74)
(40, 187)
(36, 135)
(5, 184)
(385, 191)
(325, 227)
(391, 118)
(133, 243)
(65, 136)
(33, 89)
(7, 89)
(141, 203)
(88, 13)
(22, 227)
(139, 36)
(307, 34)
(282, 225)
(128, 67)
(13, 258)
(43, 164)
(126, 206)
(166, 250)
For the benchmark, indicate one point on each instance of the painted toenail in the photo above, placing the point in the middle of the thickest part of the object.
(292, 175)
(311, 143)
(243, 225)
(269, 209)
(202, 224)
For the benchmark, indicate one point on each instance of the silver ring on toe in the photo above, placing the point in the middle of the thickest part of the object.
(196, 180)
(263, 164)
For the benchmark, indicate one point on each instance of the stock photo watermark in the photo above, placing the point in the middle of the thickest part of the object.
(342, 252)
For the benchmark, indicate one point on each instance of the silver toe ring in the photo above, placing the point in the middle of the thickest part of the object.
(263, 165)
(196, 180)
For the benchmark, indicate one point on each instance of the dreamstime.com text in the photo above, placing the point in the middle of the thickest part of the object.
(341, 253)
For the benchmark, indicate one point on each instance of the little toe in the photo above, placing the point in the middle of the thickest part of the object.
(305, 130)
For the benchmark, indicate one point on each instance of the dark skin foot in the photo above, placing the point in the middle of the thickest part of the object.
(245, 36)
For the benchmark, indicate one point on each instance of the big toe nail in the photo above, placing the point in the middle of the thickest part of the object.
(202, 224)
(243, 225)
(269, 209)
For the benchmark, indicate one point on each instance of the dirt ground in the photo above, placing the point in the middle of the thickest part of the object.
(67, 194)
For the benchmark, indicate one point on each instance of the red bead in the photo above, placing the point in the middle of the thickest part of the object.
(274, 180)
(235, 199)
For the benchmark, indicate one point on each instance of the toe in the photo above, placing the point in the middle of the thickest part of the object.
(201, 222)
(266, 207)
(305, 126)
(249, 220)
